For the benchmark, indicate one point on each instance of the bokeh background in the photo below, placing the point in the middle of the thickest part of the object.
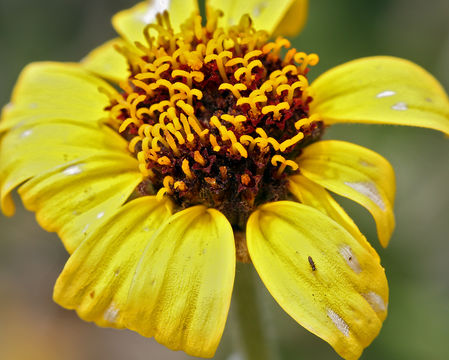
(416, 262)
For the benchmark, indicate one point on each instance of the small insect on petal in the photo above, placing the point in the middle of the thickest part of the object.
(312, 264)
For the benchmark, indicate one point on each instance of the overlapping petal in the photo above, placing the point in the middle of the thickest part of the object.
(314, 195)
(34, 149)
(182, 287)
(381, 90)
(320, 275)
(130, 23)
(294, 20)
(106, 61)
(282, 17)
(49, 91)
(97, 277)
(356, 173)
(167, 277)
(74, 199)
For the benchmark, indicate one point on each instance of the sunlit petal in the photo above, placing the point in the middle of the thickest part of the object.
(320, 275)
(294, 20)
(48, 91)
(96, 279)
(182, 287)
(282, 18)
(130, 23)
(356, 173)
(107, 62)
(27, 151)
(381, 90)
(76, 198)
(314, 195)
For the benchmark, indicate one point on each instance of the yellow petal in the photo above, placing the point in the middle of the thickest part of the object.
(356, 173)
(107, 62)
(131, 22)
(319, 274)
(96, 279)
(266, 15)
(381, 90)
(27, 151)
(182, 287)
(314, 195)
(76, 198)
(294, 20)
(47, 91)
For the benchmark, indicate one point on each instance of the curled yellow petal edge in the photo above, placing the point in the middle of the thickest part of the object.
(381, 90)
(319, 274)
(357, 173)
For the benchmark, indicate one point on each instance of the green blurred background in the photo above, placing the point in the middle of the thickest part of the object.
(416, 262)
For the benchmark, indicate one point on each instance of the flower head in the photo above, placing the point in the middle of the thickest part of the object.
(211, 151)
(214, 115)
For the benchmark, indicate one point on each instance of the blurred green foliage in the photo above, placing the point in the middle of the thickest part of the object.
(416, 260)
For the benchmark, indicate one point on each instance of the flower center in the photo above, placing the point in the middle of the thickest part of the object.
(216, 116)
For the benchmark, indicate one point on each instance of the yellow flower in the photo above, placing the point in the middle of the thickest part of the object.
(211, 152)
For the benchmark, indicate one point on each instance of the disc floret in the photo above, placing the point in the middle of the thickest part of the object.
(216, 116)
